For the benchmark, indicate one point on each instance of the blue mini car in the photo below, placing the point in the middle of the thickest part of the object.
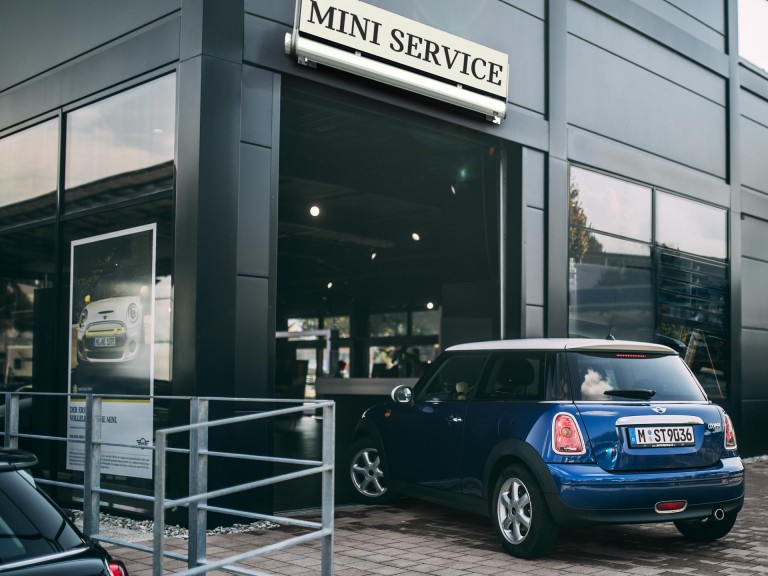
(545, 433)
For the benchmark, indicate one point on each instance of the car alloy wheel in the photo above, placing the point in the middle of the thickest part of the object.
(367, 472)
(520, 514)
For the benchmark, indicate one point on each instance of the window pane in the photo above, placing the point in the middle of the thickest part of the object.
(610, 205)
(27, 304)
(303, 324)
(456, 379)
(338, 323)
(693, 316)
(426, 323)
(691, 226)
(28, 173)
(753, 22)
(390, 324)
(123, 146)
(610, 289)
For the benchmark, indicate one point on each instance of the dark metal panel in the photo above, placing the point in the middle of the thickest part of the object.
(206, 225)
(212, 27)
(535, 256)
(644, 52)
(755, 238)
(749, 428)
(686, 15)
(258, 87)
(261, 37)
(667, 33)
(253, 229)
(534, 178)
(754, 79)
(754, 143)
(755, 369)
(278, 11)
(252, 375)
(709, 12)
(754, 279)
(38, 36)
(148, 49)
(753, 107)
(614, 157)
(557, 249)
(534, 322)
(754, 203)
(615, 98)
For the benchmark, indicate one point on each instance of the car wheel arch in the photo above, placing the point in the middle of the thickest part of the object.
(516, 451)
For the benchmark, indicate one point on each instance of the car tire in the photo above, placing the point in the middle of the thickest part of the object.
(367, 473)
(706, 529)
(520, 514)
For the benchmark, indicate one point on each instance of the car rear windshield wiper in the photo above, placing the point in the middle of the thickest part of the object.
(642, 393)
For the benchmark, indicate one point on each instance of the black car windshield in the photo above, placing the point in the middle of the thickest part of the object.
(30, 526)
(631, 377)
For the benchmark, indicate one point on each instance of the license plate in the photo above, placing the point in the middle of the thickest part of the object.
(104, 342)
(653, 436)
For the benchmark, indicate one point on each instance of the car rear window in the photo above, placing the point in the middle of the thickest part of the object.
(30, 526)
(630, 376)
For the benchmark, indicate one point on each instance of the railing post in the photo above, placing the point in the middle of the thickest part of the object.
(92, 468)
(158, 535)
(10, 439)
(198, 482)
(329, 449)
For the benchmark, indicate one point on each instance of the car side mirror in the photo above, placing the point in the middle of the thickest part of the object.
(402, 394)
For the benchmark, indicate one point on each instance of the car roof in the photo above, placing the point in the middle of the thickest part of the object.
(576, 344)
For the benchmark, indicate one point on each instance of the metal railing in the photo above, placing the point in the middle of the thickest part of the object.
(197, 501)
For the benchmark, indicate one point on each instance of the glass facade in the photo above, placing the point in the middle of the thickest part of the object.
(656, 271)
(389, 220)
(110, 156)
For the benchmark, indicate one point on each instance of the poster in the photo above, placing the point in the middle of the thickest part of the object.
(112, 295)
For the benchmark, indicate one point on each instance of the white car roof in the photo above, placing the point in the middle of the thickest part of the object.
(584, 344)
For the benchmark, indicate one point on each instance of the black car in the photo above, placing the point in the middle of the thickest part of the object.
(36, 536)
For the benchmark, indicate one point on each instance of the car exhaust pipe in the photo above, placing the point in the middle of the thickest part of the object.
(718, 514)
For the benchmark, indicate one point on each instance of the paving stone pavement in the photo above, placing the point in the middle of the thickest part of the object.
(413, 537)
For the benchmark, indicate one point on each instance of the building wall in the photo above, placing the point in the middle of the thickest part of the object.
(650, 90)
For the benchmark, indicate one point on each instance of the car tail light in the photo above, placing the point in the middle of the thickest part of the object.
(117, 568)
(730, 434)
(566, 435)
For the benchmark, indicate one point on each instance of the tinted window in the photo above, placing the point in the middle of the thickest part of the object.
(624, 377)
(455, 379)
(29, 525)
(516, 376)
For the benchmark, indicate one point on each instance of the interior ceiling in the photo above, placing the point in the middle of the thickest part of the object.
(377, 177)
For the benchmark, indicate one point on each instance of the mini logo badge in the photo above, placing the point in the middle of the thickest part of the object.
(659, 409)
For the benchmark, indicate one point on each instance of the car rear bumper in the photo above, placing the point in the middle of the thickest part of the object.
(586, 494)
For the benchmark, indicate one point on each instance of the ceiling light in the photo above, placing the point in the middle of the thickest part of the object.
(314, 211)
(330, 285)
(415, 236)
(453, 189)
(430, 305)
(373, 255)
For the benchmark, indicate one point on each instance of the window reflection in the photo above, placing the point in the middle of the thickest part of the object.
(610, 289)
(28, 173)
(610, 205)
(690, 226)
(26, 277)
(389, 324)
(122, 146)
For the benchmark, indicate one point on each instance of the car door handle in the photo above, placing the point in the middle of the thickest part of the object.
(454, 420)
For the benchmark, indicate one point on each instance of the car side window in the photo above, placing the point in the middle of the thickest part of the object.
(516, 376)
(455, 379)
